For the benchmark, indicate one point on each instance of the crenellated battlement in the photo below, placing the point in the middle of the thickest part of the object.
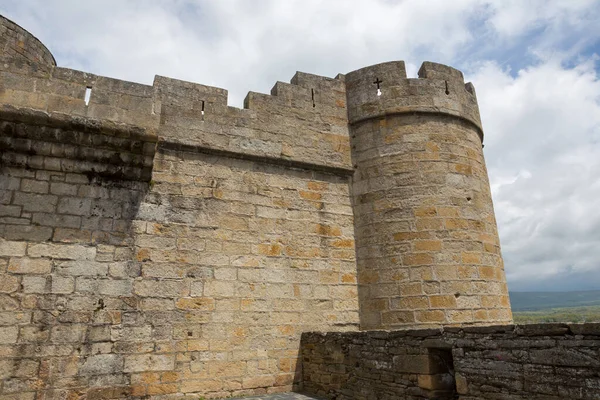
(303, 122)
(384, 89)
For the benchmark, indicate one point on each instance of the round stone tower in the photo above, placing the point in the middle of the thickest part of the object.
(17, 43)
(426, 239)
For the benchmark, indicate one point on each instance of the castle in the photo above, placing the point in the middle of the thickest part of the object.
(157, 243)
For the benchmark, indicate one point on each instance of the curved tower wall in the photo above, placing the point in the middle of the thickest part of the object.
(17, 43)
(426, 239)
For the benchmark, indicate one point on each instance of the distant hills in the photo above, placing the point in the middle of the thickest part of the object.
(532, 301)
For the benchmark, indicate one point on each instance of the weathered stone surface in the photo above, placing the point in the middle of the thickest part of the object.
(475, 365)
(423, 209)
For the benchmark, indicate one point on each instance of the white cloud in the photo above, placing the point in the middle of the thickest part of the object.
(543, 155)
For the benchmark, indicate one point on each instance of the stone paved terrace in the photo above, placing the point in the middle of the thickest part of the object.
(281, 396)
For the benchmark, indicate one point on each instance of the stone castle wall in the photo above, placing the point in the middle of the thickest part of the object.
(546, 361)
(155, 242)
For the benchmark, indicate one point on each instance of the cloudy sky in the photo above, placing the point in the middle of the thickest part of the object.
(535, 65)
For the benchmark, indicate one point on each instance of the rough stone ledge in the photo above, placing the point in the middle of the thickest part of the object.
(415, 110)
(526, 330)
(66, 121)
(177, 146)
(59, 142)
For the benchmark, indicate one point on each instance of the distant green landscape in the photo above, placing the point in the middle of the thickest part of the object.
(539, 307)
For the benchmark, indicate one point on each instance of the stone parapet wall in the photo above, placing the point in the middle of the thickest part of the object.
(384, 89)
(302, 124)
(523, 362)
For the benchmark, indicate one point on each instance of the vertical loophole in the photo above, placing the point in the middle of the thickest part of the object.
(447, 89)
(312, 94)
(88, 94)
(202, 110)
(378, 82)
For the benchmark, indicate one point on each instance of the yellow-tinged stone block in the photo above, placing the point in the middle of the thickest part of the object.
(327, 230)
(471, 258)
(467, 272)
(196, 303)
(424, 224)
(202, 386)
(480, 315)
(411, 303)
(401, 236)
(456, 316)
(430, 316)
(226, 368)
(349, 278)
(317, 186)
(428, 245)
(274, 249)
(410, 288)
(491, 301)
(162, 389)
(442, 301)
(491, 248)
(445, 272)
(425, 212)
(448, 211)
(487, 273)
(345, 243)
(307, 195)
(398, 317)
(258, 381)
(456, 224)
(417, 259)
(463, 169)
(329, 277)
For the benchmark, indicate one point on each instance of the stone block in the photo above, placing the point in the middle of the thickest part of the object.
(8, 284)
(29, 266)
(10, 211)
(35, 284)
(63, 189)
(74, 206)
(33, 186)
(12, 249)
(101, 364)
(28, 232)
(8, 334)
(161, 288)
(149, 362)
(36, 202)
(62, 251)
(62, 284)
(64, 221)
(82, 268)
(68, 333)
